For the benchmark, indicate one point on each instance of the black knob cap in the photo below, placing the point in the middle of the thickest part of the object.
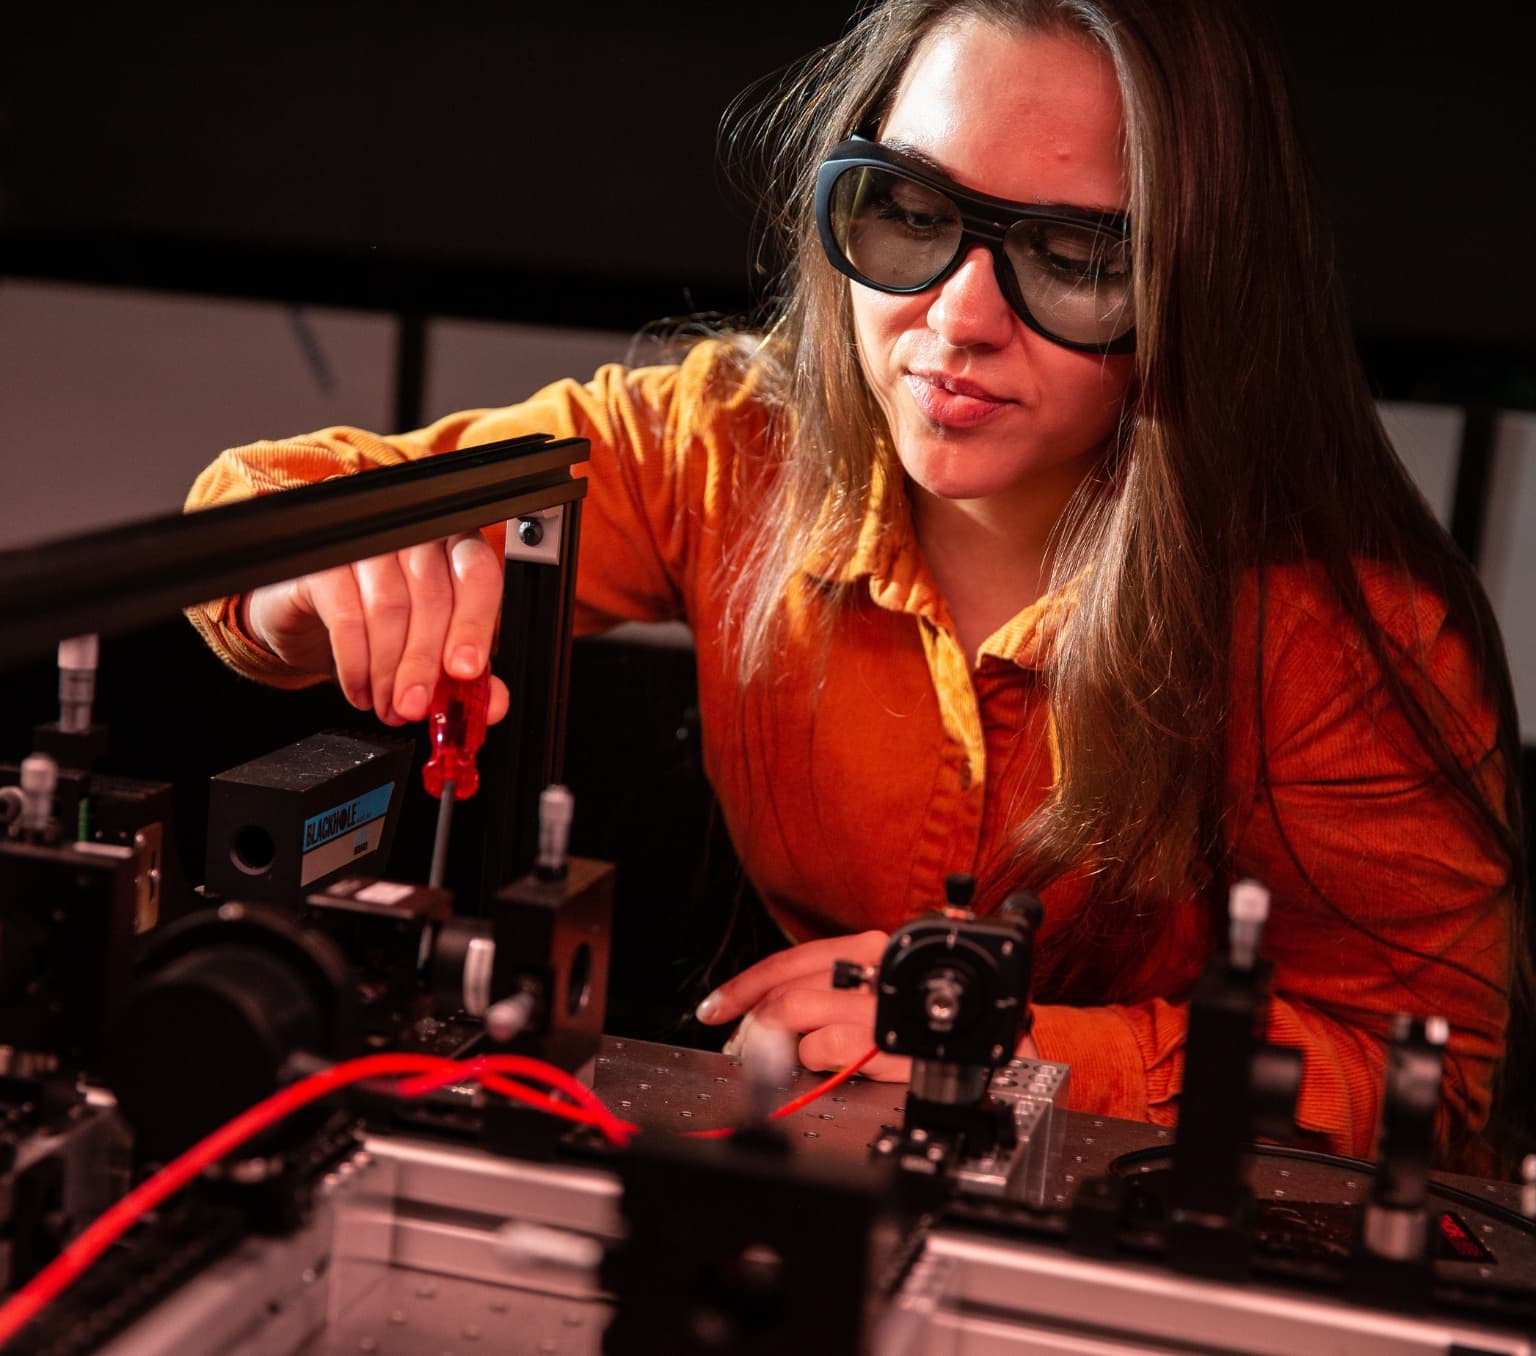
(959, 889)
(1024, 907)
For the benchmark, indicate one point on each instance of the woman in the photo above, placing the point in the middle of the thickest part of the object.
(1047, 533)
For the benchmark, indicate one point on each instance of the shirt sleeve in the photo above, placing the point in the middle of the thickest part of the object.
(655, 453)
(1387, 894)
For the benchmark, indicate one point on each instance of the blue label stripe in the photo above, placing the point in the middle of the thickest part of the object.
(347, 818)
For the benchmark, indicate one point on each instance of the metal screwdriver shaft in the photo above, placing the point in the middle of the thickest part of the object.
(440, 838)
(456, 726)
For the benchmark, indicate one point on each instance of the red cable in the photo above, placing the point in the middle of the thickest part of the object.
(584, 1108)
(616, 1131)
(826, 1085)
(804, 1099)
(430, 1072)
(560, 1079)
(119, 1217)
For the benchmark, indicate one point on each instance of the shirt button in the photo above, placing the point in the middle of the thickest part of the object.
(965, 775)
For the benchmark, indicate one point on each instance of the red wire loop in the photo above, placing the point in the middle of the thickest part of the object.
(418, 1074)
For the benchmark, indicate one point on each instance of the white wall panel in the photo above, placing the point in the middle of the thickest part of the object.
(473, 364)
(1428, 439)
(1509, 556)
(111, 400)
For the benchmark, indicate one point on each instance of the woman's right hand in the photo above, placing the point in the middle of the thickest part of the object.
(386, 628)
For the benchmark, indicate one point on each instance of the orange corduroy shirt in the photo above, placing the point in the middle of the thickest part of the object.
(863, 773)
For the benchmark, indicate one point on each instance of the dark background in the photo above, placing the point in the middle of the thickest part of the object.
(558, 162)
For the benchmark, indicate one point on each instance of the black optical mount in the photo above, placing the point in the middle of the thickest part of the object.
(1392, 1260)
(953, 996)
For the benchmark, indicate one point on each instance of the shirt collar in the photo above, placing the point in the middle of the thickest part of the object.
(886, 554)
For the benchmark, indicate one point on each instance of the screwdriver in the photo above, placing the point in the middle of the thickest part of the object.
(456, 727)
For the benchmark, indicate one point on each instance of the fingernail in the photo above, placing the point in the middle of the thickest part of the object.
(464, 553)
(361, 698)
(413, 702)
(733, 1046)
(467, 661)
(709, 1009)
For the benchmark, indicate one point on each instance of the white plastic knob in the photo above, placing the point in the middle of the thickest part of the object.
(1247, 911)
(39, 778)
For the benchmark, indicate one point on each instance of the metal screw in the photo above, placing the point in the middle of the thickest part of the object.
(530, 531)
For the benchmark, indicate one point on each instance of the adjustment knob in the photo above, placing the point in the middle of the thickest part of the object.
(959, 889)
(847, 974)
(1023, 907)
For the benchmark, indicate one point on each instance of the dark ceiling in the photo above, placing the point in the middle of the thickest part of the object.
(559, 162)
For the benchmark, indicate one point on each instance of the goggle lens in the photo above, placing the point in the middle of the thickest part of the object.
(1069, 279)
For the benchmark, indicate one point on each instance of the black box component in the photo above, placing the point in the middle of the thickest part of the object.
(552, 942)
(77, 749)
(93, 807)
(387, 929)
(285, 824)
(550, 966)
(741, 1246)
(66, 944)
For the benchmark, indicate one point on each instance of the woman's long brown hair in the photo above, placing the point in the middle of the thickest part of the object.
(1251, 440)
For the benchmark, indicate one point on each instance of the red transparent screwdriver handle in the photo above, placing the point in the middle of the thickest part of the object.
(456, 726)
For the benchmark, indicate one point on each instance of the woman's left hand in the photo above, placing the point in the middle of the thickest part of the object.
(792, 990)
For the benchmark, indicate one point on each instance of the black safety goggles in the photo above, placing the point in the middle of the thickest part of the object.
(896, 226)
